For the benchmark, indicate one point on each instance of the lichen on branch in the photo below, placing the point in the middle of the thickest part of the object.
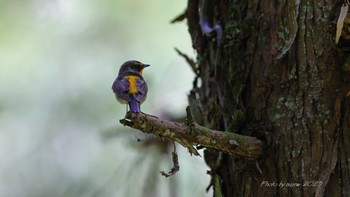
(190, 134)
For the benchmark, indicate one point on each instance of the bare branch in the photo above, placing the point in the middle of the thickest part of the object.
(191, 134)
(180, 18)
(176, 166)
(190, 61)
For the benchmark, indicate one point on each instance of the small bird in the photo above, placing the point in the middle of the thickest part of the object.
(130, 87)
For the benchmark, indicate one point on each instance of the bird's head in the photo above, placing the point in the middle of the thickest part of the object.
(133, 66)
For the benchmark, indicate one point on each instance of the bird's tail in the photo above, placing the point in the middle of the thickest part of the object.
(134, 104)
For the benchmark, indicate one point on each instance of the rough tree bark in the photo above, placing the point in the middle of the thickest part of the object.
(276, 70)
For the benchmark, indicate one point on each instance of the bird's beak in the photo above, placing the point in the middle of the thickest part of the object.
(143, 66)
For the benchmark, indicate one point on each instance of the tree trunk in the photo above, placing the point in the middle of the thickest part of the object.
(275, 75)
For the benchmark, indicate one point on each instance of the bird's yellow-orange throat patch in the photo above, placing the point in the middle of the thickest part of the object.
(132, 82)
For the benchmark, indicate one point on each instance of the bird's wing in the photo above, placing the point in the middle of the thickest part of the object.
(121, 88)
(142, 90)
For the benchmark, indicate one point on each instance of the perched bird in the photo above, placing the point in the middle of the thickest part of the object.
(130, 87)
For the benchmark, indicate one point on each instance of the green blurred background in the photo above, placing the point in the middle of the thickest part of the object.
(59, 121)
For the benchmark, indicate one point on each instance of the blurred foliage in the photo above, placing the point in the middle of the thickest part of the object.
(58, 59)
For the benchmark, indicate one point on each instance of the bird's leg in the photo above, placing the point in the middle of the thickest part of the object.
(126, 112)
